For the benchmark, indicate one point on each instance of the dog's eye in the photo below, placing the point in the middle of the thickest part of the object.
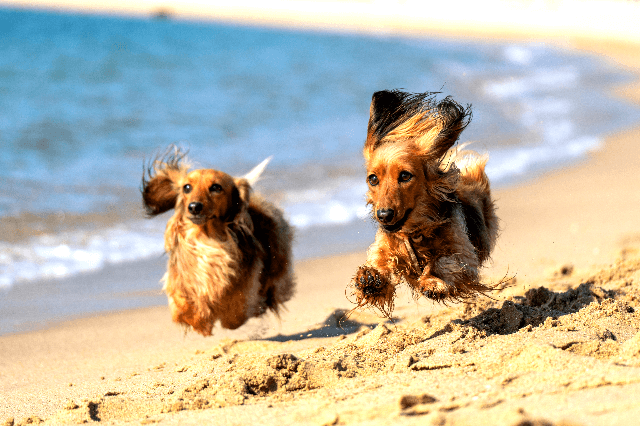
(215, 188)
(186, 188)
(373, 180)
(405, 176)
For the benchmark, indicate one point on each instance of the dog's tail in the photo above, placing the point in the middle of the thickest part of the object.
(472, 168)
(254, 175)
(470, 163)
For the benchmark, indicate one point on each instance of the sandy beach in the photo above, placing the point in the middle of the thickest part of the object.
(560, 346)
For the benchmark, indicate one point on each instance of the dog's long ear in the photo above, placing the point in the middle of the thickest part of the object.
(397, 116)
(384, 112)
(451, 119)
(159, 179)
(242, 192)
(240, 196)
(388, 107)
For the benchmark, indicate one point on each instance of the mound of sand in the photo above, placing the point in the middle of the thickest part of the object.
(565, 345)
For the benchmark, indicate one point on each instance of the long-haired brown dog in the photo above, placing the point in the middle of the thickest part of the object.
(437, 222)
(229, 250)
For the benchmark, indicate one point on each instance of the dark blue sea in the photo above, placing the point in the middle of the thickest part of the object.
(84, 100)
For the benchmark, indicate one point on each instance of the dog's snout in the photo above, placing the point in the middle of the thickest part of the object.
(385, 215)
(195, 208)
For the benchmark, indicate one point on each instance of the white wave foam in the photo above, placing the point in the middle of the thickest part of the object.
(545, 110)
(540, 81)
(71, 253)
(339, 201)
(516, 162)
(518, 54)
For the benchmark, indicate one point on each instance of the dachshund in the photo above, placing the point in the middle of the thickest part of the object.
(436, 220)
(229, 249)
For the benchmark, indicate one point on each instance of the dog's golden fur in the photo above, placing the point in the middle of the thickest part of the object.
(437, 221)
(229, 250)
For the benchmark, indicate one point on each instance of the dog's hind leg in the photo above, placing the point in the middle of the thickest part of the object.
(455, 275)
(236, 308)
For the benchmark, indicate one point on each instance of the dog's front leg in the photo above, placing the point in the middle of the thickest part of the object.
(375, 281)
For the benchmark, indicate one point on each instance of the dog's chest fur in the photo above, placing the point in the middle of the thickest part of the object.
(204, 264)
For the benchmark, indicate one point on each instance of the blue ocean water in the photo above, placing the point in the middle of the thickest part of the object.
(84, 100)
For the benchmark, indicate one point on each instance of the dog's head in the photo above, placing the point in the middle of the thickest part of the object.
(200, 196)
(407, 139)
(208, 194)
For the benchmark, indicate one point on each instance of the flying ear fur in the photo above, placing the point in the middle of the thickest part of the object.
(396, 116)
(159, 178)
(451, 120)
(388, 110)
(384, 112)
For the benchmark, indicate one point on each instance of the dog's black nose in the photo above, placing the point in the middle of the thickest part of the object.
(195, 207)
(385, 215)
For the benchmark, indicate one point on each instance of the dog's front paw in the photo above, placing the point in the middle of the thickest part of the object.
(369, 281)
(374, 289)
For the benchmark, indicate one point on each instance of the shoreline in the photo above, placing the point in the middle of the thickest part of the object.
(558, 219)
(114, 288)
